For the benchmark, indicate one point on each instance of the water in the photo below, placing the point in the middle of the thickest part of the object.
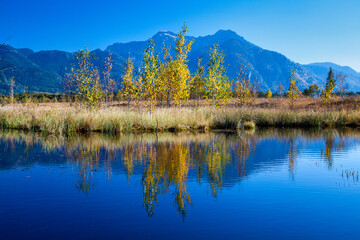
(268, 184)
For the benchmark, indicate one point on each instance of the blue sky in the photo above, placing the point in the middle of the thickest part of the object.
(303, 30)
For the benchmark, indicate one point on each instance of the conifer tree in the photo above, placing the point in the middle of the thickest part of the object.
(217, 85)
(294, 91)
(329, 86)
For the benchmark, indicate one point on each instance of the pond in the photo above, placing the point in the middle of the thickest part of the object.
(264, 184)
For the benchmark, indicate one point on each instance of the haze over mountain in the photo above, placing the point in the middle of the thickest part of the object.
(44, 71)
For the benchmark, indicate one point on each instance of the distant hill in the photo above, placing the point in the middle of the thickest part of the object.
(44, 71)
(26, 72)
(321, 70)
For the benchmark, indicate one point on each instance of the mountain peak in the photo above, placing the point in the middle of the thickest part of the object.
(229, 34)
(164, 33)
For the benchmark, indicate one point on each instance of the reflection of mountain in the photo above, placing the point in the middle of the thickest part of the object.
(166, 163)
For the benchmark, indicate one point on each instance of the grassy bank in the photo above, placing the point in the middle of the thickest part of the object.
(64, 120)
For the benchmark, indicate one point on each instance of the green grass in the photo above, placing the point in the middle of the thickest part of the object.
(65, 120)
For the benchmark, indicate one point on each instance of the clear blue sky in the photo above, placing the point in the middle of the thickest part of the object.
(304, 30)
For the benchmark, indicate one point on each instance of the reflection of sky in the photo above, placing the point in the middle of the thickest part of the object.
(313, 201)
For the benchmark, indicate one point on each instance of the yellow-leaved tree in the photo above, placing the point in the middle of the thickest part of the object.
(150, 75)
(242, 87)
(87, 80)
(166, 78)
(198, 84)
(182, 79)
(294, 91)
(109, 82)
(128, 85)
(329, 86)
(217, 84)
(268, 94)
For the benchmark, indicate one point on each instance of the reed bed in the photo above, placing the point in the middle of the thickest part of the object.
(67, 120)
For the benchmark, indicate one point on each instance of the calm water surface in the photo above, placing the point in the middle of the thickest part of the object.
(257, 185)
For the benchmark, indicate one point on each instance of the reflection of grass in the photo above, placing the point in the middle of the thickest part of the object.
(106, 141)
(113, 120)
(351, 174)
(119, 141)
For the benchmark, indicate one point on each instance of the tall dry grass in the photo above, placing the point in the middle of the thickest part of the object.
(67, 120)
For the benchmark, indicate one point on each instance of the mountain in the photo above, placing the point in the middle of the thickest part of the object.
(268, 67)
(44, 70)
(26, 72)
(321, 70)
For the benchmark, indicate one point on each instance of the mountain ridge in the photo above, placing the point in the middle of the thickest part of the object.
(44, 70)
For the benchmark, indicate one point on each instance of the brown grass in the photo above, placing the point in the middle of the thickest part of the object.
(59, 118)
(303, 103)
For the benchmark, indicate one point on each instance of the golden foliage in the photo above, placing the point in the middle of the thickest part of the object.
(128, 84)
(268, 94)
(217, 84)
(242, 87)
(294, 91)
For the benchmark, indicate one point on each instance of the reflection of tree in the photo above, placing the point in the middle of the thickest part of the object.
(166, 164)
(329, 145)
(86, 160)
(243, 147)
(150, 181)
(132, 154)
(217, 156)
(292, 155)
(197, 156)
(180, 177)
(110, 155)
